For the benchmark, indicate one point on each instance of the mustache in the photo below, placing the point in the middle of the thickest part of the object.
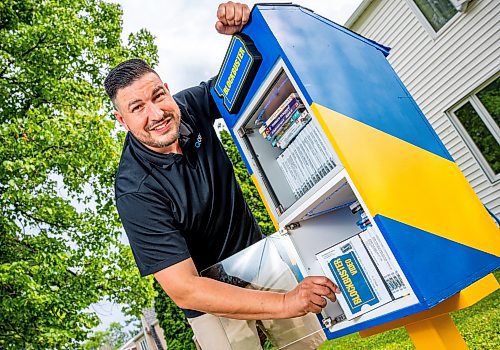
(153, 125)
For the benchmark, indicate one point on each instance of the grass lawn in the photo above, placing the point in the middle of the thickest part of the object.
(478, 324)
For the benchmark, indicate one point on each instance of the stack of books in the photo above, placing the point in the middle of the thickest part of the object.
(286, 122)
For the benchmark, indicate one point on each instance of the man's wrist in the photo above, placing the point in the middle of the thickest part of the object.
(283, 308)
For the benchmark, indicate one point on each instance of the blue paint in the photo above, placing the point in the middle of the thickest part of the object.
(391, 316)
(349, 74)
(338, 69)
(441, 268)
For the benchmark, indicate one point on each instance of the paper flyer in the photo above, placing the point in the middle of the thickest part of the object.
(349, 265)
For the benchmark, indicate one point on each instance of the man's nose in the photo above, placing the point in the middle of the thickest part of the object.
(153, 111)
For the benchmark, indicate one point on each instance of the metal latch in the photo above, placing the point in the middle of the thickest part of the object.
(327, 322)
(293, 226)
(242, 131)
(283, 232)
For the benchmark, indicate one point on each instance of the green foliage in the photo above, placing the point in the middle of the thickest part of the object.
(113, 337)
(178, 333)
(59, 230)
(248, 188)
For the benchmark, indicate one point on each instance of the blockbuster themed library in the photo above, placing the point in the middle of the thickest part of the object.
(358, 185)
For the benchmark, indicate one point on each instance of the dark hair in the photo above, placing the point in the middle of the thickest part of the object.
(125, 74)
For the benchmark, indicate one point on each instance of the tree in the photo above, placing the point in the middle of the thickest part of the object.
(178, 333)
(59, 149)
(248, 188)
(113, 337)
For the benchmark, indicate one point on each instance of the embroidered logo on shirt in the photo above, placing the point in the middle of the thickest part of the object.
(198, 141)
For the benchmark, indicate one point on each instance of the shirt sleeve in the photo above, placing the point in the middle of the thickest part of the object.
(155, 240)
(199, 101)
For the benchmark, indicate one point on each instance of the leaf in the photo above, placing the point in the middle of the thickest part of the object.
(60, 248)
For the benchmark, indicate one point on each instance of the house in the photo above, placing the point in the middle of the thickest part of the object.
(151, 337)
(447, 53)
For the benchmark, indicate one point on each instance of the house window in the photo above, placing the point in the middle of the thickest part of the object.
(437, 12)
(478, 121)
(144, 345)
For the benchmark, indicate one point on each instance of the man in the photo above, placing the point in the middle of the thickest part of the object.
(180, 204)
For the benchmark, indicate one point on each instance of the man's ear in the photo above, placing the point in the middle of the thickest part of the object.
(120, 119)
(166, 87)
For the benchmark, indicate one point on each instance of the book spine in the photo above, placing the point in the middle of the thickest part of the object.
(283, 117)
(277, 112)
(293, 130)
(278, 134)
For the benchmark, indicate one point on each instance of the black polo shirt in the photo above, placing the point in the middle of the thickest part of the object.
(176, 206)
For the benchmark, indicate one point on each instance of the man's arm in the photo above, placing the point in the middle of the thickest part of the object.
(190, 291)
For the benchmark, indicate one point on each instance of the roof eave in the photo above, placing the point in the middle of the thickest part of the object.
(357, 13)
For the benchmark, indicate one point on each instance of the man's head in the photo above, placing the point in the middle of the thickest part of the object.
(144, 105)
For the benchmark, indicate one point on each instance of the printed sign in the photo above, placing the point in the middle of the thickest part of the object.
(362, 288)
(353, 282)
(236, 74)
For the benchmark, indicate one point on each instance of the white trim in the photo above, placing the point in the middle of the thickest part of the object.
(426, 24)
(487, 120)
(357, 13)
(305, 200)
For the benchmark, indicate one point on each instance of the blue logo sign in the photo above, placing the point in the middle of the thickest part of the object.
(233, 77)
(352, 281)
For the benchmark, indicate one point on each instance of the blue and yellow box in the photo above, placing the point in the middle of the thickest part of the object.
(385, 153)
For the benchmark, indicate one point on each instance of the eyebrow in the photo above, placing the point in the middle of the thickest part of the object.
(155, 91)
(158, 88)
(131, 103)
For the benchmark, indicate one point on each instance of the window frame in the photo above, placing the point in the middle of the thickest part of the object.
(427, 25)
(487, 119)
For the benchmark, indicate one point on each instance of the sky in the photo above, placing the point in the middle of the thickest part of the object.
(189, 47)
(190, 51)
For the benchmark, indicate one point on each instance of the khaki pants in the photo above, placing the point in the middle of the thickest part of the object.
(220, 333)
(211, 334)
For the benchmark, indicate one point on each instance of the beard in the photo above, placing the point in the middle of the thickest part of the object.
(161, 141)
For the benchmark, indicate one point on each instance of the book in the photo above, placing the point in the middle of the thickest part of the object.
(294, 129)
(282, 130)
(349, 265)
(275, 134)
(283, 117)
(290, 100)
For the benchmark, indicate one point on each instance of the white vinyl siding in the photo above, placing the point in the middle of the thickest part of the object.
(442, 71)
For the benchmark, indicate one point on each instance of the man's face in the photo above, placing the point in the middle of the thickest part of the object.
(148, 111)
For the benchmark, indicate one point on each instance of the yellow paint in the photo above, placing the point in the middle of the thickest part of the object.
(261, 194)
(467, 297)
(439, 333)
(409, 184)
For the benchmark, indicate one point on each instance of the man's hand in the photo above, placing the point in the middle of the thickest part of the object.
(309, 296)
(232, 16)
